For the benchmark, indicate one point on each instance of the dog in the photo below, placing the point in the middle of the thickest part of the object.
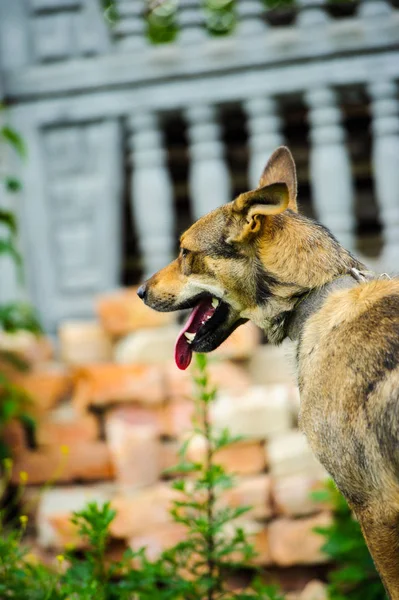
(257, 258)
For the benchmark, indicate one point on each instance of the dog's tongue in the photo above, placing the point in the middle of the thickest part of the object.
(200, 314)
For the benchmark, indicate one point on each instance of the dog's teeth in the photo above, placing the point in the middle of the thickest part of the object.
(215, 302)
(189, 336)
(209, 317)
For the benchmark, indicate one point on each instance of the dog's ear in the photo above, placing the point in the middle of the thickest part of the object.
(265, 201)
(280, 168)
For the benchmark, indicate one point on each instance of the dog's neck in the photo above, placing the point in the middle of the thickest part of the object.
(313, 300)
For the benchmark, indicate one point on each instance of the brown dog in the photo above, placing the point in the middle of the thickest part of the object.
(256, 258)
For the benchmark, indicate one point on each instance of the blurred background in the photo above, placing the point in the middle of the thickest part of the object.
(137, 118)
(130, 139)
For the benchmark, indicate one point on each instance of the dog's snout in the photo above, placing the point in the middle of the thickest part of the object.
(141, 292)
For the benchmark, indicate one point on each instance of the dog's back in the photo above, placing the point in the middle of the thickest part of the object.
(349, 381)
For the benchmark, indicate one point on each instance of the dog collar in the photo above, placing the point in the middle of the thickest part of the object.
(313, 300)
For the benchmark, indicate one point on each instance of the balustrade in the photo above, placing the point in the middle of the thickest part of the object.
(209, 178)
(312, 14)
(70, 112)
(250, 18)
(152, 195)
(330, 170)
(385, 156)
(14, 38)
(130, 25)
(371, 9)
(191, 23)
(264, 134)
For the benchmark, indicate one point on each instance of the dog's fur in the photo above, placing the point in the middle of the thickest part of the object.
(263, 260)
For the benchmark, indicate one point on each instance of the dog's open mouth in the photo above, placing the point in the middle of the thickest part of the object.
(208, 325)
(203, 319)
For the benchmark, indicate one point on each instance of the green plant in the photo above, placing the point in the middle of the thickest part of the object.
(8, 223)
(220, 16)
(161, 17)
(215, 542)
(14, 316)
(10, 137)
(354, 576)
(161, 21)
(194, 569)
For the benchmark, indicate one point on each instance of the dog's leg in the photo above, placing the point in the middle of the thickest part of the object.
(381, 531)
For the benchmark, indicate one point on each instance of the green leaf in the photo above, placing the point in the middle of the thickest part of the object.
(161, 21)
(17, 316)
(7, 247)
(8, 219)
(14, 139)
(201, 361)
(12, 184)
(13, 359)
(224, 439)
(179, 485)
(184, 467)
(320, 496)
(220, 16)
(9, 409)
(28, 421)
(184, 447)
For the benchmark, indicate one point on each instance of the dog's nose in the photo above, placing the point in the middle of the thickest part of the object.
(141, 292)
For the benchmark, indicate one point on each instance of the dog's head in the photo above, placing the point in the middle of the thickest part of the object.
(241, 261)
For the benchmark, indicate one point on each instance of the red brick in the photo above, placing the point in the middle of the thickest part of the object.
(260, 412)
(158, 540)
(83, 342)
(293, 542)
(155, 345)
(103, 384)
(241, 344)
(142, 511)
(177, 417)
(66, 426)
(169, 454)
(29, 347)
(290, 454)
(242, 458)
(13, 436)
(122, 312)
(133, 440)
(87, 461)
(46, 386)
(136, 414)
(315, 590)
(254, 492)
(273, 364)
(225, 375)
(292, 495)
(260, 541)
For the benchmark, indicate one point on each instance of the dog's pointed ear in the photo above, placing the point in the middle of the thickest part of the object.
(280, 168)
(265, 201)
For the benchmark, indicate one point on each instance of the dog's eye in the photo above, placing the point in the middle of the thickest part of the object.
(184, 252)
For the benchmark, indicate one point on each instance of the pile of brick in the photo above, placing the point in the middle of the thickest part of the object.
(113, 410)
